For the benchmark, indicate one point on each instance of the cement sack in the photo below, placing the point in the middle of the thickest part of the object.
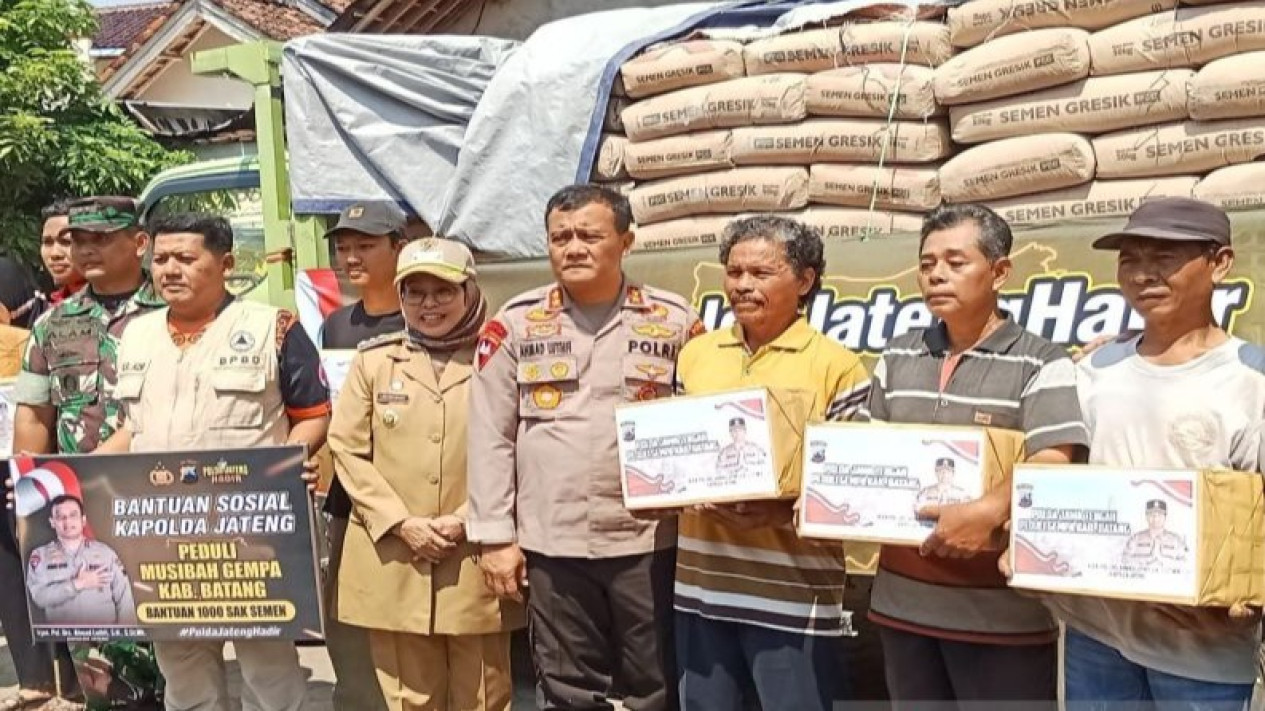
(1238, 187)
(686, 232)
(679, 155)
(773, 98)
(1017, 166)
(842, 141)
(974, 22)
(680, 65)
(623, 187)
(614, 121)
(1013, 65)
(853, 223)
(1179, 148)
(726, 191)
(1094, 105)
(925, 43)
(811, 51)
(1186, 37)
(1230, 87)
(868, 92)
(610, 158)
(888, 187)
(1100, 198)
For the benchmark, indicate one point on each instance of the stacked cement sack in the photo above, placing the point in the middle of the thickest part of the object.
(1046, 109)
(1067, 109)
(838, 126)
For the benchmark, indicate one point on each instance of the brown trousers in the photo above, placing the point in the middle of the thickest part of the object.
(443, 672)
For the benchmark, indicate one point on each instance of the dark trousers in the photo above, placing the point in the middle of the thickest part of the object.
(925, 673)
(789, 672)
(37, 665)
(600, 627)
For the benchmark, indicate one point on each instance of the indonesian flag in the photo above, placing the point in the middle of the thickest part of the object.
(966, 450)
(1174, 490)
(38, 484)
(317, 295)
(751, 407)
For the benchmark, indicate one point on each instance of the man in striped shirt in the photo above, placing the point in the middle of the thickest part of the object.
(757, 606)
(951, 629)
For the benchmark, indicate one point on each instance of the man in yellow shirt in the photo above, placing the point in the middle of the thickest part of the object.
(754, 603)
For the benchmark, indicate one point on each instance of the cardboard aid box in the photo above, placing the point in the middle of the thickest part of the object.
(739, 445)
(1187, 537)
(866, 482)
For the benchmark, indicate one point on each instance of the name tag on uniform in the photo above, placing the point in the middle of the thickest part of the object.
(391, 398)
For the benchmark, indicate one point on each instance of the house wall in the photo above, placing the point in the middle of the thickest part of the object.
(516, 19)
(179, 85)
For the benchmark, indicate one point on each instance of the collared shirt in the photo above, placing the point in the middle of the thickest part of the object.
(70, 364)
(1011, 380)
(50, 578)
(544, 457)
(767, 577)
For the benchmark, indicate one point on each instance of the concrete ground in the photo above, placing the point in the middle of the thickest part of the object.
(316, 666)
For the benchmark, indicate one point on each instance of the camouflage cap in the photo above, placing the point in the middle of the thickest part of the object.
(102, 214)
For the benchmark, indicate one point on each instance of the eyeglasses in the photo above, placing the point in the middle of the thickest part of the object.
(442, 297)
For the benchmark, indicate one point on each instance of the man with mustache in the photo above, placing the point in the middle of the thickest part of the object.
(544, 465)
(213, 372)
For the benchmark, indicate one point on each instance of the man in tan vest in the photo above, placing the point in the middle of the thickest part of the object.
(212, 372)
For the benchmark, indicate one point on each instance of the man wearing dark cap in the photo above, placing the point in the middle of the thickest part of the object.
(66, 390)
(1183, 394)
(367, 241)
(1156, 544)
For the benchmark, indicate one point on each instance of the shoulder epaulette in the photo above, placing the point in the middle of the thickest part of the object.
(383, 340)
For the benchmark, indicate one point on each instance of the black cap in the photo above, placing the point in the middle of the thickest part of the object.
(102, 214)
(1173, 218)
(737, 421)
(1156, 505)
(946, 462)
(372, 218)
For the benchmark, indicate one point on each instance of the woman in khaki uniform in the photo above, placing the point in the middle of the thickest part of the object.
(438, 636)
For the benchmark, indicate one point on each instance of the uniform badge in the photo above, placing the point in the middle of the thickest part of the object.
(655, 330)
(35, 560)
(397, 385)
(241, 341)
(491, 336)
(555, 298)
(635, 296)
(531, 372)
(546, 397)
(544, 330)
(539, 314)
(654, 372)
(390, 419)
(647, 392)
(559, 370)
(698, 329)
(658, 312)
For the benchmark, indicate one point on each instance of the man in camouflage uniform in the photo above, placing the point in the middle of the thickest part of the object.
(65, 392)
(66, 387)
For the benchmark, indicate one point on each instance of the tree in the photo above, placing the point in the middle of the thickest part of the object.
(59, 136)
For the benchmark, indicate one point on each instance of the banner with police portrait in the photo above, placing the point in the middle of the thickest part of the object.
(168, 546)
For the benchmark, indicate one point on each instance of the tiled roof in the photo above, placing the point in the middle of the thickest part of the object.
(276, 20)
(119, 26)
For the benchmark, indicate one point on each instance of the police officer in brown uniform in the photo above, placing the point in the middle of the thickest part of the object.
(212, 372)
(544, 464)
(1156, 544)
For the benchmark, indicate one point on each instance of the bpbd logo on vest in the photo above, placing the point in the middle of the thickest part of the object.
(1070, 308)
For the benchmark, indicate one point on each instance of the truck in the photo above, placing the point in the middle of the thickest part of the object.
(1060, 288)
